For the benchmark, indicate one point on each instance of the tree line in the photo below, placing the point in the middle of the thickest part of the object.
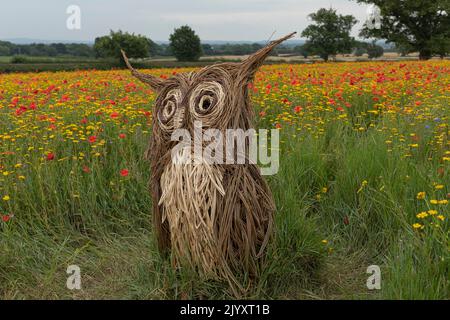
(46, 50)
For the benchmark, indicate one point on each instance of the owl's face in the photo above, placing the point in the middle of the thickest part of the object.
(212, 96)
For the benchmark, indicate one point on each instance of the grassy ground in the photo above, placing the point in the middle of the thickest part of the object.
(354, 161)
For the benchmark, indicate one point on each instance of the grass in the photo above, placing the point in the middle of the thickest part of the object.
(346, 193)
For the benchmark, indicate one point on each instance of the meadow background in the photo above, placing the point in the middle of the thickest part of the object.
(363, 180)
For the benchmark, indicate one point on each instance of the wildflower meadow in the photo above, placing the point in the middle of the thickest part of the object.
(363, 180)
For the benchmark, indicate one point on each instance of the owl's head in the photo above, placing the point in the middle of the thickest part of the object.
(216, 95)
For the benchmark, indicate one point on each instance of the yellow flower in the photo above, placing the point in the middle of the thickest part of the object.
(5, 173)
(417, 226)
(22, 177)
(439, 187)
(422, 215)
(421, 195)
(432, 212)
(441, 217)
(363, 184)
(434, 201)
(6, 198)
(443, 201)
(324, 241)
(324, 190)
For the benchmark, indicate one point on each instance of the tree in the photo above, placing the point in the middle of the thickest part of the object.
(41, 50)
(303, 50)
(136, 46)
(374, 50)
(79, 50)
(417, 25)
(185, 44)
(360, 47)
(359, 51)
(60, 48)
(441, 45)
(4, 50)
(207, 49)
(330, 33)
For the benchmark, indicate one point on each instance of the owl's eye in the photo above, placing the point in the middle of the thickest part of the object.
(207, 100)
(168, 109)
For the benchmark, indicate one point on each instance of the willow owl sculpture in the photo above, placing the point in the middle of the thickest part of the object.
(216, 218)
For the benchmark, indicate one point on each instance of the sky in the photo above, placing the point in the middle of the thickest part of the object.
(243, 20)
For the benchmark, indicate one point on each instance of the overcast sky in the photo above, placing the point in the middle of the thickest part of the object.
(212, 19)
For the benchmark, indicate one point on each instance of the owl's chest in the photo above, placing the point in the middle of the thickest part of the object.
(190, 200)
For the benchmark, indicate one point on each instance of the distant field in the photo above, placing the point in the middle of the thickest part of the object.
(34, 64)
(364, 180)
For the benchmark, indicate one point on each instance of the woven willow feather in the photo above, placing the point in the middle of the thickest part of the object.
(215, 218)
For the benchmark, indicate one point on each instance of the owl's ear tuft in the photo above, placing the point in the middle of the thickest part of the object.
(154, 82)
(249, 66)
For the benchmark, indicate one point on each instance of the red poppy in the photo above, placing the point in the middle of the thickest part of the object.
(50, 156)
(86, 169)
(64, 98)
(114, 115)
(122, 136)
(124, 173)
(92, 139)
(6, 218)
(297, 109)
